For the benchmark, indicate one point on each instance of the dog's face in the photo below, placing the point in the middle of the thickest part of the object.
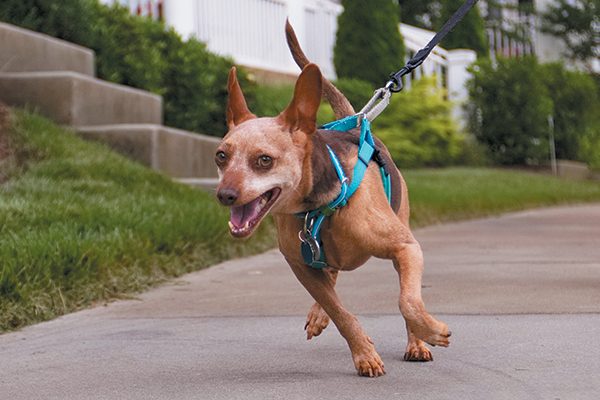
(261, 160)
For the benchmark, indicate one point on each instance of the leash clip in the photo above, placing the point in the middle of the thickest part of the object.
(377, 103)
(310, 247)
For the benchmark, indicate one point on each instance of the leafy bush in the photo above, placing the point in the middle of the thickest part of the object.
(575, 111)
(508, 110)
(357, 91)
(510, 105)
(468, 34)
(126, 49)
(368, 44)
(270, 100)
(64, 19)
(418, 129)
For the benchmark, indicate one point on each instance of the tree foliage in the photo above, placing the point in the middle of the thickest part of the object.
(368, 42)
(420, 13)
(66, 19)
(575, 108)
(577, 22)
(433, 14)
(508, 110)
(510, 104)
(470, 31)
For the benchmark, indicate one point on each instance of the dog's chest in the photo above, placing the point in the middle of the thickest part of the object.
(339, 244)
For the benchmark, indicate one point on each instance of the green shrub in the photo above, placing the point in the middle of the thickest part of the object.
(143, 53)
(468, 34)
(126, 51)
(270, 100)
(64, 19)
(368, 44)
(418, 129)
(508, 110)
(576, 104)
(195, 86)
(510, 105)
(357, 91)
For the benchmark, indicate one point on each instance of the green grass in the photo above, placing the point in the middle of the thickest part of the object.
(442, 195)
(80, 224)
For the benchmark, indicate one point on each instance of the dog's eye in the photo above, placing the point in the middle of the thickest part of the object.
(220, 157)
(265, 161)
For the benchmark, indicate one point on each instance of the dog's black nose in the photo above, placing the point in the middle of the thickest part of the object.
(227, 196)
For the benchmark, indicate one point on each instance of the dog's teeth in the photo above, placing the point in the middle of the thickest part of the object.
(246, 225)
(263, 201)
(231, 226)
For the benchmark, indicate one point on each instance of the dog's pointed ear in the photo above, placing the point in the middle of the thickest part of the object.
(301, 113)
(237, 109)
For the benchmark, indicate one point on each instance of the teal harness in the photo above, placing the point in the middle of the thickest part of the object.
(310, 236)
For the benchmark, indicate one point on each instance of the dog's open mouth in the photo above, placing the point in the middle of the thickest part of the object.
(244, 219)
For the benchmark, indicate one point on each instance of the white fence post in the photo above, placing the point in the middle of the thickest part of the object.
(458, 62)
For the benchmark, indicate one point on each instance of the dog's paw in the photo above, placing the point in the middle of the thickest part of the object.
(316, 321)
(369, 364)
(417, 352)
(431, 331)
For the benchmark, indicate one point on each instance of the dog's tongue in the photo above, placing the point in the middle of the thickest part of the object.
(242, 214)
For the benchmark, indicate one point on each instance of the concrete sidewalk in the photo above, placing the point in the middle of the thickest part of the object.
(520, 292)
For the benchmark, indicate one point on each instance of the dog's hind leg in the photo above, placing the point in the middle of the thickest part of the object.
(317, 319)
(408, 261)
(321, 287)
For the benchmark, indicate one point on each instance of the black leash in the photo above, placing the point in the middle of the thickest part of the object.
(395, 81)
(382, 96)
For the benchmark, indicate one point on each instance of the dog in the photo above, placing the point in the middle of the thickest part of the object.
(280, 166)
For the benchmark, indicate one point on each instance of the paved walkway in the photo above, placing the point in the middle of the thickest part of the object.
(521, 294)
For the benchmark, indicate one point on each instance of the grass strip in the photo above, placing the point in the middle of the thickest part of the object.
(80, 224)
(451, 194)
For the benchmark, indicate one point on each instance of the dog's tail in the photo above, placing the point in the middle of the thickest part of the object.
(339, 103)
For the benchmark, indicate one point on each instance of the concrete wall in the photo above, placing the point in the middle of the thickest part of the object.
(74, 99)
(573, 169)
(22, 50)
(175, 152)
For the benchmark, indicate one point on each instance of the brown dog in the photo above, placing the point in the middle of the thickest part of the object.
(281, 165)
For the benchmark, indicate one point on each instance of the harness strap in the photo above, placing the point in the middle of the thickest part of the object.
(310, 236)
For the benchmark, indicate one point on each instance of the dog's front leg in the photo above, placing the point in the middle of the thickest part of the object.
(408, 261)
(317, 319)
(320, 285)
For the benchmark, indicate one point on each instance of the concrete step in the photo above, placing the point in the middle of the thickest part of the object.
(177, 153)
(208, 184)
(22, 50)
(75, 99)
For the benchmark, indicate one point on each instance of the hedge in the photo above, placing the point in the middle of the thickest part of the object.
(510, 103)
